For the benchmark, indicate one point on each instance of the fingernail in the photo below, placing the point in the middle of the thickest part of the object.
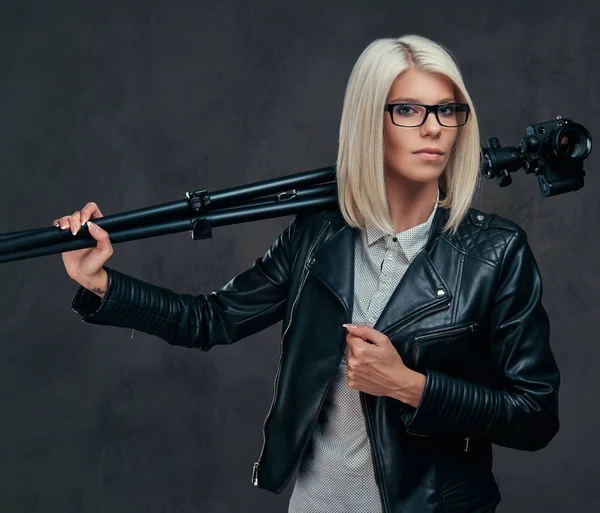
(55, 223)
(73, 230)
(92, 226)
(349, 326)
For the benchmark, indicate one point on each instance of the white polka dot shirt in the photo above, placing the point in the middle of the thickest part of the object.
(336, 473)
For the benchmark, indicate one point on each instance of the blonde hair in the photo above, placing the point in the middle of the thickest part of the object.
(361, 188)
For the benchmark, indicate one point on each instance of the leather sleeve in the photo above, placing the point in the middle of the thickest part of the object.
(522, 412)
(251, 301)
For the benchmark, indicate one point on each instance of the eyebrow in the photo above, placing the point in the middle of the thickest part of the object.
(449, 99)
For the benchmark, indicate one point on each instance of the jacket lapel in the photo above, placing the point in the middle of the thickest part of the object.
(422, 287)
(333, 263)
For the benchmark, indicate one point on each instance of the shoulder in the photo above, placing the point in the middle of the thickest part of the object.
(309, 221)
(486, 236)
(308, 224)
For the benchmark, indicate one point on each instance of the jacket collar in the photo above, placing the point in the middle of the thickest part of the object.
(422, 287)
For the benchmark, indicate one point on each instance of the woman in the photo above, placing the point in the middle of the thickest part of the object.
(413, 332)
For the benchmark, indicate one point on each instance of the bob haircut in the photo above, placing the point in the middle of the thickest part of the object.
(359, 168)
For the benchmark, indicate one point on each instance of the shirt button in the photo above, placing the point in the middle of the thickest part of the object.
(395, 239)
(371, 319)
(390, 257)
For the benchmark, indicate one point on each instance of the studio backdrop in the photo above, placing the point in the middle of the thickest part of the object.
(133, 103)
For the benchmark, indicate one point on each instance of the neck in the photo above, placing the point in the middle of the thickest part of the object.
(410, 203)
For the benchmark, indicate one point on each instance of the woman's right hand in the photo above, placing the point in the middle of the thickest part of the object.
(85, 265)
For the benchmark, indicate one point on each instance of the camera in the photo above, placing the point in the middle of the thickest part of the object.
(553, 150)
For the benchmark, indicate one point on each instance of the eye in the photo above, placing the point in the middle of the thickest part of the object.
(446, 110)
(405, 109)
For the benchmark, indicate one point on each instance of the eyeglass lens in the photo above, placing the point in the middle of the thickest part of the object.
(408, 114)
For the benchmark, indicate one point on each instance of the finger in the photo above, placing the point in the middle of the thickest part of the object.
(74, 222)
(368, 333)
(104, 244)
(356, 345)
(62, 222)
(351, 340)
(355, 340)
(90, 211)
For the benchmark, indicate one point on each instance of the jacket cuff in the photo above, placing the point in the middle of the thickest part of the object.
(413, 416)
(86, 303)
(131, 303)
(451, 405)
(102, 310)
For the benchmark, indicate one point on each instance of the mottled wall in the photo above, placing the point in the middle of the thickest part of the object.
(133, 103)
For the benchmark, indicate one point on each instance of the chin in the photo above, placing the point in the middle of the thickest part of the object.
(423, 175)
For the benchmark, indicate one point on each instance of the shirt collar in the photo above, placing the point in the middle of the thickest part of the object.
(411, 240)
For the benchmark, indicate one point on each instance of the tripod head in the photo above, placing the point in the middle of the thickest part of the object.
(553, 150)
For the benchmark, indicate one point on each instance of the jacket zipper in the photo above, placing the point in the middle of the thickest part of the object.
(374, 451)
(308, 437)
(308, 261)
(374, 454)
(419, 316)
(446, 332)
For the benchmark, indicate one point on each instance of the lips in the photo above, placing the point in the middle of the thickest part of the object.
(435, 151)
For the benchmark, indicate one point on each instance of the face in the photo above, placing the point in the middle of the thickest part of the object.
(401, 158)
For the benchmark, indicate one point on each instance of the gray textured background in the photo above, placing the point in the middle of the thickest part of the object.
(133, 103)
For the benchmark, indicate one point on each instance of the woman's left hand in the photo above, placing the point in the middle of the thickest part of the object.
(376, 368)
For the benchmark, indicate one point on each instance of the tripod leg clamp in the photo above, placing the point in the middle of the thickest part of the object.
(201, 229)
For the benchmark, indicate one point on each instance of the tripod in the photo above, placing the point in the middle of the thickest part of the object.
(199, 212)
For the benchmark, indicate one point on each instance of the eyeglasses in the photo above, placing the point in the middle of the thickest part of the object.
(415, 114)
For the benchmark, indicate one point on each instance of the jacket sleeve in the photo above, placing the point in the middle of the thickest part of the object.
(522, 412)
(251, 301)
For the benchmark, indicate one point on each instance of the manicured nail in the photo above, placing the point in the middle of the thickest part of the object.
(350, 326)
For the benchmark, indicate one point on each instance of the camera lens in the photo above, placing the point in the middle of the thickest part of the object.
(572, 142)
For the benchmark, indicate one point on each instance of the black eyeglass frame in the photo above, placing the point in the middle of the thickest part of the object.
(389, 107)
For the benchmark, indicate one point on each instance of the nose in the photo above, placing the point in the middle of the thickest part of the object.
(431, 125)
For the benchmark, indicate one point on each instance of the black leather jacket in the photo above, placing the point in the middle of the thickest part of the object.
(468, 314)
